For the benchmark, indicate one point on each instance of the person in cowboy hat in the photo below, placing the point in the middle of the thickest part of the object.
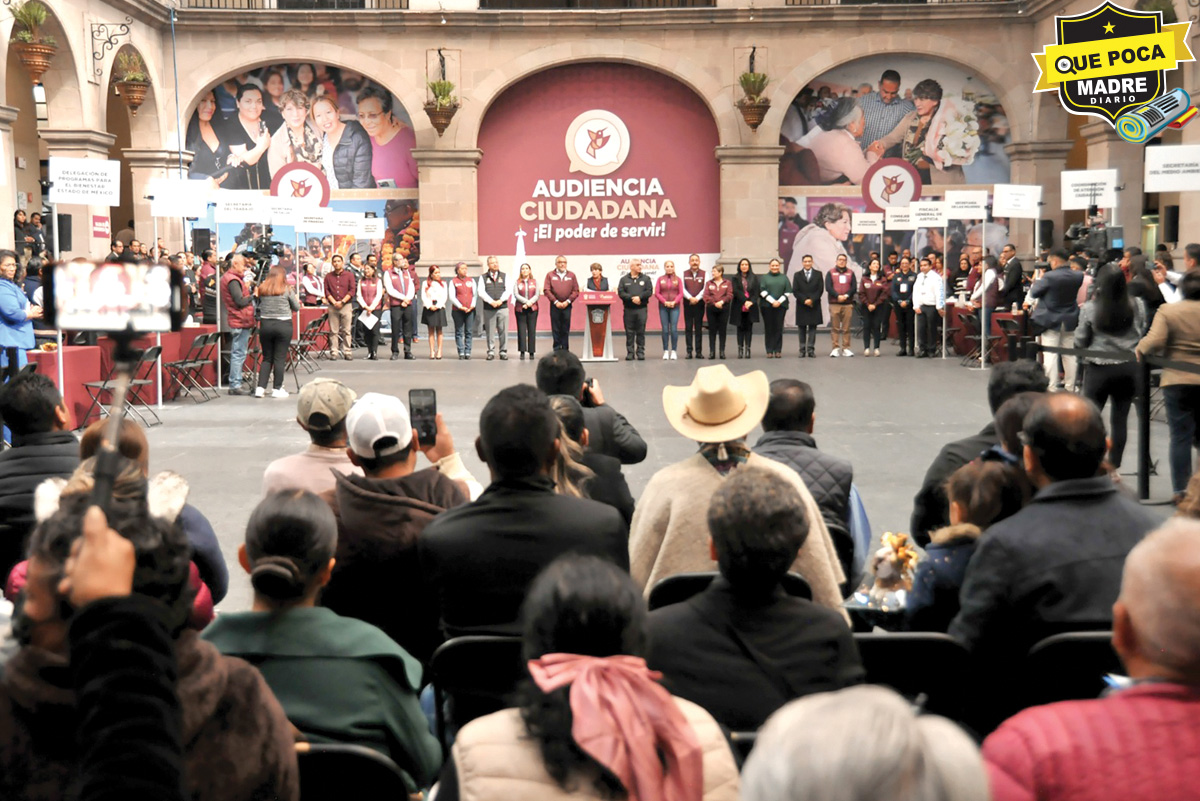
(669, 534)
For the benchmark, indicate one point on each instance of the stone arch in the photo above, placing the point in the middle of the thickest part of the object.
(65, 105)
(145, 129)
(408, 85)
(1009, 82)
(476, 103)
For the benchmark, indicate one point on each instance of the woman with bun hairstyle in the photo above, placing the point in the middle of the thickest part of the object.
(981, 493)
(337, 678)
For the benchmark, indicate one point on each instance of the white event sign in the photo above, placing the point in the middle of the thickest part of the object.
(374, 227)
(1083, 188)
(347, 223)
(866, 222)
(1017, 200)
(963, 204)
(178, 197)
(315, 221)
(284, 210)
(899, 219)
(93, 182)
(928, 213)
(240, 206)
(1172, 168)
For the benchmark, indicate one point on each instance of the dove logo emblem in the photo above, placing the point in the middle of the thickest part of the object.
(597, 143)
(890, 182)
(301, 182)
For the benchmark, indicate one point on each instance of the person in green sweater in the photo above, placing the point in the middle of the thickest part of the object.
(339, 680)
(775, 290)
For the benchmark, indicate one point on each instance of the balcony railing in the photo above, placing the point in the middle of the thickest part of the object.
(300, 5)
(551, 5)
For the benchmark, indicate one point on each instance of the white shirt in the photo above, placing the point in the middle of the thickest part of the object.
(434, 294)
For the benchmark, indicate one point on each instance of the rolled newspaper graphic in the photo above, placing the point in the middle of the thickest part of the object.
(1143, 122)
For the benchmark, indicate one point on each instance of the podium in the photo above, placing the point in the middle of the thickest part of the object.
(597, 334)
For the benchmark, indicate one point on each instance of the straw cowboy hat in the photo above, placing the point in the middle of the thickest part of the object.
(718, 406)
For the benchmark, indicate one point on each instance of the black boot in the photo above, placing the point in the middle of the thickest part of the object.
(722, 355)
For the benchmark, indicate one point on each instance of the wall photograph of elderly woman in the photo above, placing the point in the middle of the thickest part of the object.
(250, 125)
(944, 119)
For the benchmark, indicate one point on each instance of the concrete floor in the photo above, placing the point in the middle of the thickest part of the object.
(888, 416)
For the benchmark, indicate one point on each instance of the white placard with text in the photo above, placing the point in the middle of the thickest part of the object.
(1172, 168)
(92, 182)
(966, 204)
(1017, 200)
(866, 222)
(899, 219)
(928, 213)
(1083, 188)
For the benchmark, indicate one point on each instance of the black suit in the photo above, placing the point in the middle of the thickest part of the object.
(808, 317)
(478, 560)
(608, 485)
(1012, 291)
(611, 434)
(931, 509)
(712, 650)
(1057, 294)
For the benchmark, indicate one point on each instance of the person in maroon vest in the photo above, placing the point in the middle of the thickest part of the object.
(693, 306)
(238, 305)
(371, 298)
(525, 302)
(339, 292)
(463, 299)
(561, 287)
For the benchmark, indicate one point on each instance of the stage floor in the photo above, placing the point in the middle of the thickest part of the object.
(889, 416)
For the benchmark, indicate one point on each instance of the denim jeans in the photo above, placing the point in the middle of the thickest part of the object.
(669, 320)
(240, 338)
(1183, 409)
(464, 329)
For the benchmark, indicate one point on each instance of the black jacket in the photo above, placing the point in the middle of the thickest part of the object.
(608, 485)
(903, 284)
(1012, 290)
(352, 158)
(827, 477)
(629, 288)
(808, 289)
(741, 296)
(741, 659)
(931, 508)
(32, 460)
(478, 560)
(1054, 566)
(1057, 294)
(611, 434)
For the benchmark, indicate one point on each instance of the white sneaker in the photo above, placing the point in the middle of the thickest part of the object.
(666, 355)
(847, 352)
(674, 355)
(260, 392)
(279, 393)
(877, 351)
(835, 353)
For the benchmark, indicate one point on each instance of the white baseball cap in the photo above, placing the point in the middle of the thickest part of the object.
(378, 425)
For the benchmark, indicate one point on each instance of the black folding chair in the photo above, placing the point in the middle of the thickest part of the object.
(186, 374)
(473, 676)
(134, 402)
(1068, 667)
(299, 349)
(335, 771)
(928, 668)
(680, 587)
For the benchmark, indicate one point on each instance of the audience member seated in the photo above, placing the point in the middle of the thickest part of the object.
(238, 742)
(862, 744)
(1140, 742)
(338, 679)
(561, 373)
(42, 448)
(478, 560)
(1056, 565)
(321, 410)
(743, 648)
(592, 722)
(670, 527)
(607, 483)
(981, 493)
(787, 438)
(380, 514)
(1010, 421)
(206, 551)
(930, 508)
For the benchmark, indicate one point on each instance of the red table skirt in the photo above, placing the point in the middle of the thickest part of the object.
(81, 363)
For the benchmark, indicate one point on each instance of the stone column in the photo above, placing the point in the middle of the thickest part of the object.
(8, 176)
(749, 203)
(1107, 151)
(146, 165)
(81, 144)
(449, 204)
(1039, 163)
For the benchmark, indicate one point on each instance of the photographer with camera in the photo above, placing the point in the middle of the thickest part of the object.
(561, 373)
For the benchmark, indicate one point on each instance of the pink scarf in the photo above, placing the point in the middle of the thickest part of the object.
(623, 719)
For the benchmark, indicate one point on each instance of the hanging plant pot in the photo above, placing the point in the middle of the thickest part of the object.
(754, 111)
(35, 57)
(133, 93)
(440, 116)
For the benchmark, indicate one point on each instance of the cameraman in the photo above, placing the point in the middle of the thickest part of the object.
(561, 373)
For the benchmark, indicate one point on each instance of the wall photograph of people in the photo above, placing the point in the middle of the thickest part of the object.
(942, 118)
(250, 125)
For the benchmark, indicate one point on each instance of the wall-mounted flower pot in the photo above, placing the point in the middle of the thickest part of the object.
(440, 116)
(754, 111)
(35, 57)
(133, 93)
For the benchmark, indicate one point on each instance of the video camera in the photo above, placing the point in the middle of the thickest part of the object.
(256, 243)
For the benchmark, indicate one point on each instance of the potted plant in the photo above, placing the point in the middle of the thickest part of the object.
(753, 105)
(132, 81)
(442, 108)
(34, 48)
